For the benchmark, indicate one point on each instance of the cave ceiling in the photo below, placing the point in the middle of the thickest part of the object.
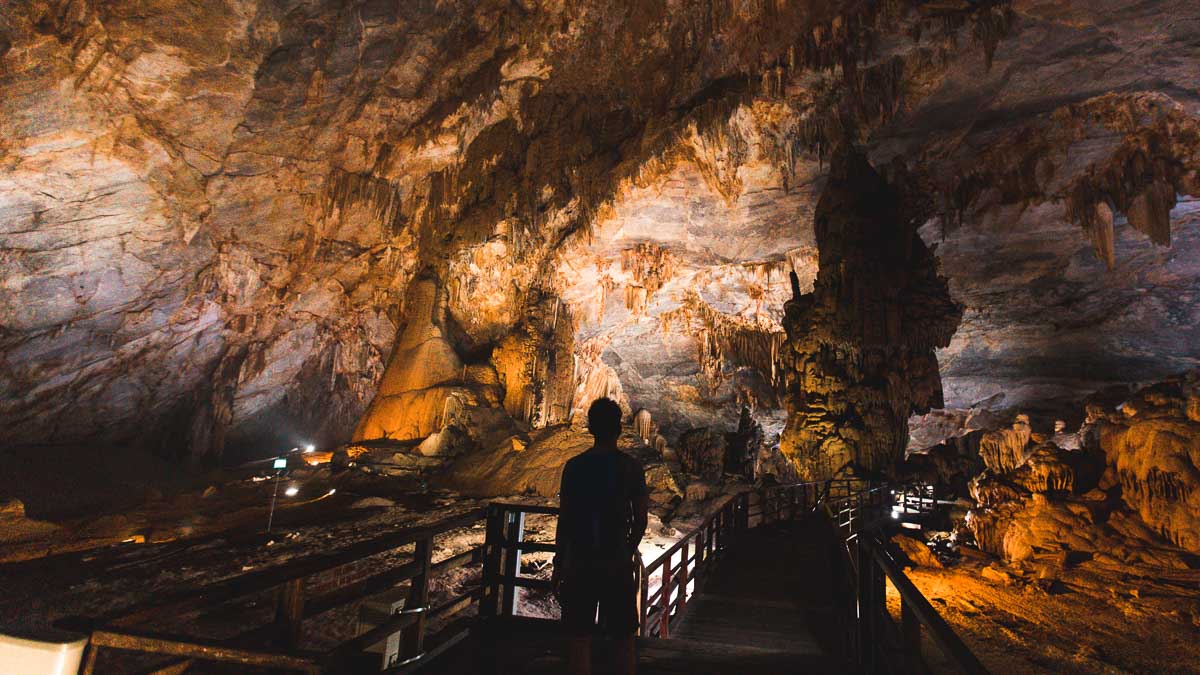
(211, 214)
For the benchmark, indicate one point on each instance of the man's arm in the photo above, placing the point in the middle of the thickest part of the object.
(562, 540)
(641, 505)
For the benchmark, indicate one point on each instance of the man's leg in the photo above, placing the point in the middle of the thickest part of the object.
(578, 601)
(618, 609)
(625, 656)
(579, 655)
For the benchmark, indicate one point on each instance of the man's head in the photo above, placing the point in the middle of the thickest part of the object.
(604, 419)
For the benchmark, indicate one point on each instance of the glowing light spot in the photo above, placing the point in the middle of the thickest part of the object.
(291, 491)
(332, 490)
(310, 447)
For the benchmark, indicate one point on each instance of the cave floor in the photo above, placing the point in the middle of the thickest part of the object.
(1092, 618)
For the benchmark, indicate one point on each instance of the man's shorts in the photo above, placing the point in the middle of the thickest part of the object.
(610, 587)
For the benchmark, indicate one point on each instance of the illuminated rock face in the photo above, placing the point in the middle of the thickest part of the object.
(426, 381)
(212, 215)
(1153, 446)
(859, 353)
(1122, 489)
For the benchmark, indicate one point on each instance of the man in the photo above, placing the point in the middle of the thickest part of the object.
(602, 518)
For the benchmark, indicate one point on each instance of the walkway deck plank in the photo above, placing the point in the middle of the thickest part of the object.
(766, 608)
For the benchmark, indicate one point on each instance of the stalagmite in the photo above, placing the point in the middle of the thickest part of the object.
(641, 425)
(859, 351)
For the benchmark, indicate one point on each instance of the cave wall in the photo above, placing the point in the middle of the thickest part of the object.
(211, 215)
(1085, 103)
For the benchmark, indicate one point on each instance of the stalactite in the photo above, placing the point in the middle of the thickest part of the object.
(642, 425)
(343, 189)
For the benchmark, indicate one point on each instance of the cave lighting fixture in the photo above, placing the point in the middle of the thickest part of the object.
(292, 491)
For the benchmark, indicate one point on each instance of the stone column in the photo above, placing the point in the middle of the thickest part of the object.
(859, 354)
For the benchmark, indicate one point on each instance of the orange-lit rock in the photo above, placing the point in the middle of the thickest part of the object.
(1154, 447)
(859, 355)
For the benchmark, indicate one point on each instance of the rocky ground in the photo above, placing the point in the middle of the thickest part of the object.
(1038, 618)
(89, 565)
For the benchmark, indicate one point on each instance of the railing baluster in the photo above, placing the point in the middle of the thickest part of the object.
(413, 637)
(910, 631)
(289, 612)
(512, 559)
(664, 629)
(683, 578)
(489, 603)
(644, 595)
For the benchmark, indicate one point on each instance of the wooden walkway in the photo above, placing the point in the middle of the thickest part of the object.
(767, 607)
(773, 590)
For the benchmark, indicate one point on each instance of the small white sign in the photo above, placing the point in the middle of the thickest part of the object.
(281, 463)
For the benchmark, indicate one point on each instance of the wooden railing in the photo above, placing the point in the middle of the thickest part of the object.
(884, 638)
(853, 507)
(294, 604)
(880, 645)
(667, 582)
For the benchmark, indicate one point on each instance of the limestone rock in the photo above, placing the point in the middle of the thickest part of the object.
(859, 353)
(423, 378)
(916, 551)
(1154, 449)
(1005, 450)
(702, 452)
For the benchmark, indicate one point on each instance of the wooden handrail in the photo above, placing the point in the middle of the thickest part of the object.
(112, 631)
(914, 602)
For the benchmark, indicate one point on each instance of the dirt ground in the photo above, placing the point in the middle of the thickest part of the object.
(1037, 618)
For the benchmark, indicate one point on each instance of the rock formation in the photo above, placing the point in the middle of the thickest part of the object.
(859, 354)
(1153, 447)
(229, 228)
(1126, 494)
(426, 380)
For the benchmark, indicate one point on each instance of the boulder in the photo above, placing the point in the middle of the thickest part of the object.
(916, 551)
(1154, 450)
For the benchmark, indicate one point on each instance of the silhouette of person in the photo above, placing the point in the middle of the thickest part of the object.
(603, 501)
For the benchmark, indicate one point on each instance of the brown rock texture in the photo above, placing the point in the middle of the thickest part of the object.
(859, 353)
(1154, 447)
(212, 214)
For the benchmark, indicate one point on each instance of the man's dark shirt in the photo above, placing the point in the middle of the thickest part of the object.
(598, 488)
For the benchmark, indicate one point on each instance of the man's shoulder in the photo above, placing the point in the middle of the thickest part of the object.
(629, 460)
(578, 460)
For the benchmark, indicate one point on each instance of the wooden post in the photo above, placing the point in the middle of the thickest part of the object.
(701, 545)
(289, 613)
(512, 559)
(489, 602)
(413, 636)
(710, 540)
(910, 632)
(683, 578)
(866, 608)
(664, 628)
(643, 600)
(718, 536)
(89, 662)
